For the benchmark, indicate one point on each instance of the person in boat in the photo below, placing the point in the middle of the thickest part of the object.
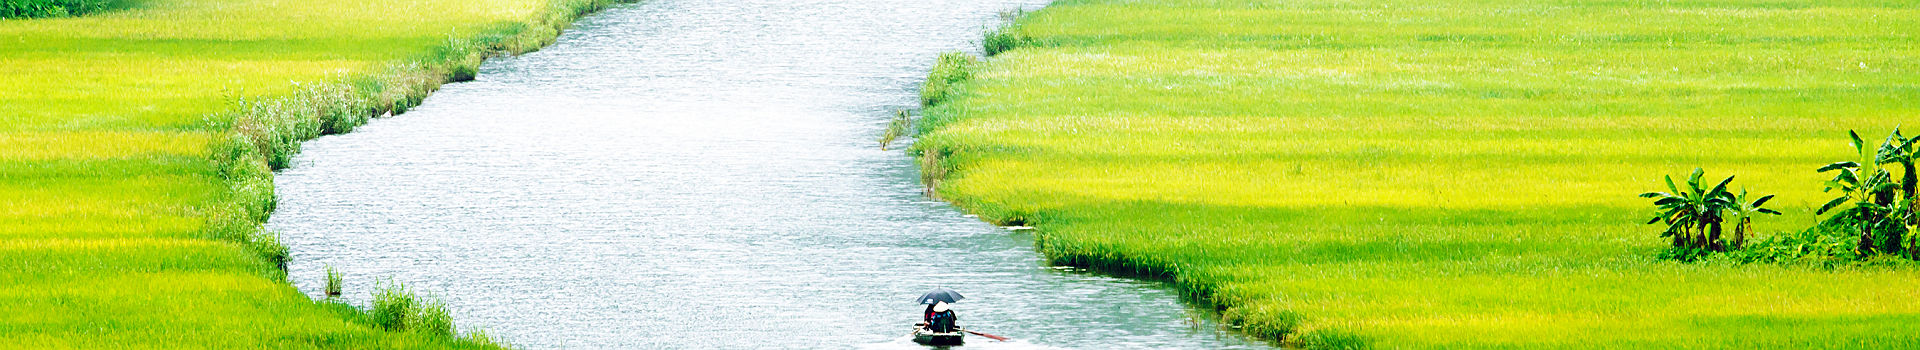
(940, 318)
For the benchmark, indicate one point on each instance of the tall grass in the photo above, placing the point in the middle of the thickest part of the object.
(137, 149)
(1342, 174)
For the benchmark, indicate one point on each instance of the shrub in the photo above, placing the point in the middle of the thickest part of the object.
(50, 8)
(397, 309)
(948, 72)
(393, 306)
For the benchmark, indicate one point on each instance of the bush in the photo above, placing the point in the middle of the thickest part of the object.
(397, 309)
(49, 8)
(1003, 39)
(393, 303)
(1832, 242)
(949, 71)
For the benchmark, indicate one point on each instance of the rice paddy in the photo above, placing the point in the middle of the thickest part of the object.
(1462, 174)
(117, 172)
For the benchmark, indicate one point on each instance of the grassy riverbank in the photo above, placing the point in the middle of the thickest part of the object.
(1458, 174)
(134, 145)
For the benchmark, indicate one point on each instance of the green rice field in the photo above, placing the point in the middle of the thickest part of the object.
(1458, 174)
(117, 171)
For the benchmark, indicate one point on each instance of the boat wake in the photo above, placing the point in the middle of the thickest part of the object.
(906, 343)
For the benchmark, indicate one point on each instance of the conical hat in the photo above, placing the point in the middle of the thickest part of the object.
(940, 307)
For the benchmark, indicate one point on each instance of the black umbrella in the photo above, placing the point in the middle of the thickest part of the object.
(941, 294)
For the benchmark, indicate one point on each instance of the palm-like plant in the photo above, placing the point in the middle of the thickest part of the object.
(1692, 214)
(1900, 150)
(1870, 193)
(1743, 212)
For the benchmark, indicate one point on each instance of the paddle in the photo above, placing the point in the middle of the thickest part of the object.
(989, 336)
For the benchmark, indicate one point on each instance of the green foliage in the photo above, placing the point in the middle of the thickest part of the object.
(1007, 36)
(480, 338)
(267, 245)
(896, 128)
(948, 72)
(397, 308)
(1872, 224)
(1873, 195)
(1332, 339)
(1269, 323)
(1694, 214)
(334, 283)
(933, 169)
(1742, 211)
(1003, 39)
(50, 8)
(394, 306)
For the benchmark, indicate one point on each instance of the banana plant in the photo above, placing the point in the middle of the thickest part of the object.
(1742, 213)
(1693, 214)
(1863, 183)
(1900, 150)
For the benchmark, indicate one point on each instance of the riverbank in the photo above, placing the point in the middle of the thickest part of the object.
(136, 144)
(1456, 175)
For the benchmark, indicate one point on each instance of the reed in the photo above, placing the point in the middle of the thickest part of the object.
(899, 126)
(334, 283)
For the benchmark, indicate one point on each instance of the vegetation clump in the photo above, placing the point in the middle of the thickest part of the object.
(335, 283)
(50, 8)
(1006, 36)
(899, 126)
(1873, 216)
(1695, 215)
(947, 73)
(396, 308)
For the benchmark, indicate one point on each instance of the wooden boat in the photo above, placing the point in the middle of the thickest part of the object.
(929, 337)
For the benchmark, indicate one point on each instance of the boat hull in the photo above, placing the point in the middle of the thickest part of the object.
(931, 338)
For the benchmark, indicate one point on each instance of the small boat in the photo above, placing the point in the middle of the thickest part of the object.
(929, 337)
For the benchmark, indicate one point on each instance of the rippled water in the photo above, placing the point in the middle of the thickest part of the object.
(697, 174)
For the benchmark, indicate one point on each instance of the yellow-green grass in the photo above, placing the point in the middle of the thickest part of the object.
(127, 171)
(1455, 174)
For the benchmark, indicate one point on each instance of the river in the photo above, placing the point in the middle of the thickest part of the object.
(697, 174)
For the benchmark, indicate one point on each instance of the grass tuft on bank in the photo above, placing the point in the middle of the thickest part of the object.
(137, 147)
(1391, 174)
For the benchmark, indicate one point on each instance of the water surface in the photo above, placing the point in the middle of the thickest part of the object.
(697, 174)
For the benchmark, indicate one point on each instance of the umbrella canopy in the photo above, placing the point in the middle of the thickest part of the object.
(939, 295)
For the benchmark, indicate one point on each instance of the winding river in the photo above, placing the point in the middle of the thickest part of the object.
(697, 174)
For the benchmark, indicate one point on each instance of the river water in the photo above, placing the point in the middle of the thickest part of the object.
(697, 174)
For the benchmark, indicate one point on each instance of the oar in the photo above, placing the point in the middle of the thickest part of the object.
(989, 336)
